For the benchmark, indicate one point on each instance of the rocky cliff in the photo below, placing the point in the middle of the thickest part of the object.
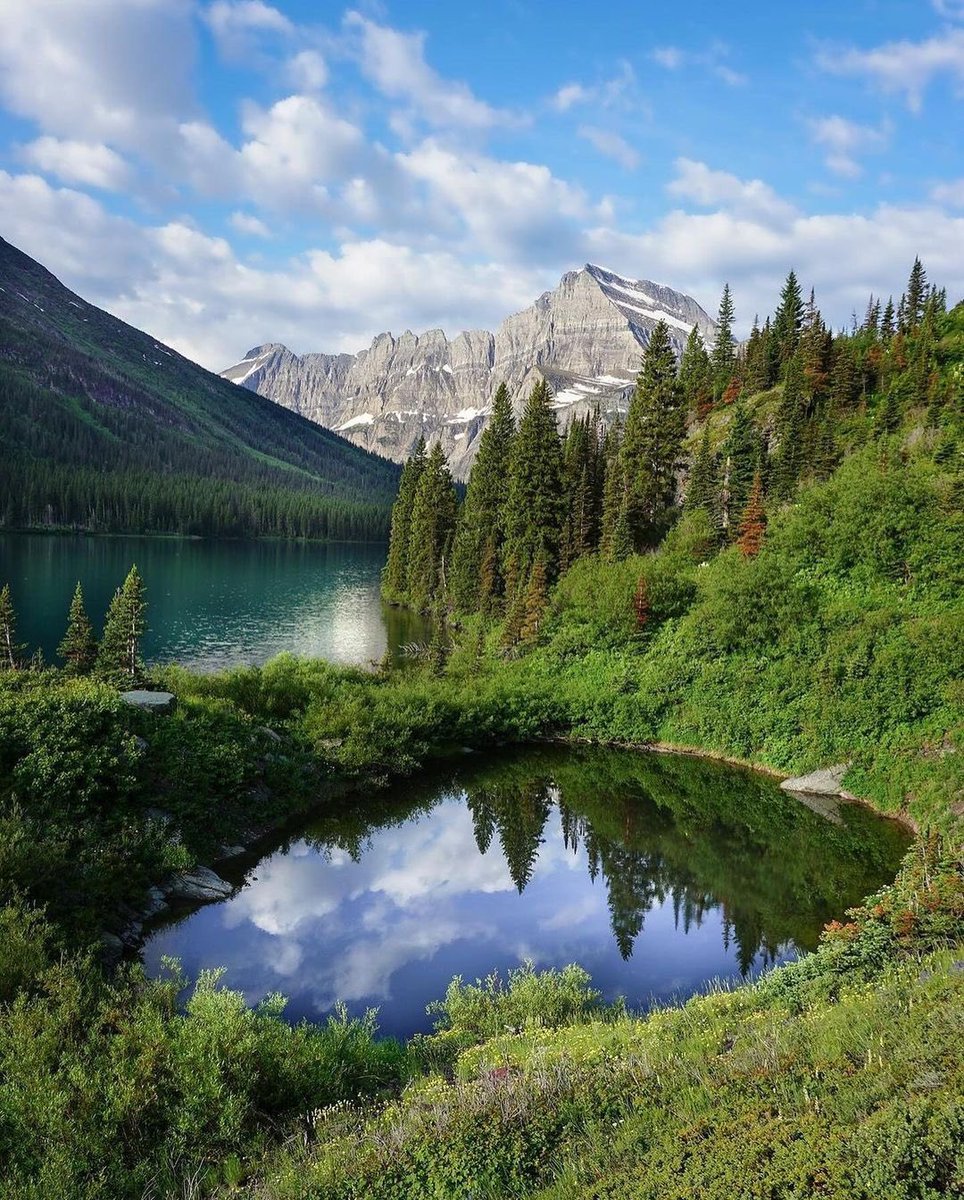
(586, 337)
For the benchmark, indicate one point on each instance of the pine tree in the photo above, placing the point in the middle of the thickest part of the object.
(534, 502)
(723, 357)
(755, 374)
(79, 646)
(482, 514)
(11, 651)
(119, 654)
(395, 574)
(788, 463)
(580, 468)
(653, 441)
(696, 375)
(703, 492)
(915, 297)
(741, 458)
(887, 321)
(787, 321)
(612, 500)
(432, 528)
(753, 522)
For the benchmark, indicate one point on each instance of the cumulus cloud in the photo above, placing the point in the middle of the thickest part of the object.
(903, 66)
(395, 63)
(99, 70)
(249, 225)
(950, 193)
(90, 163)
(844, 140)
(612, 145)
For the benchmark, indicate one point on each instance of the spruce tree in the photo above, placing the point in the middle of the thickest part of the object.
(741, 459)
(787, 321)
(653, 441)
(703, 492)
(581, 484)
(482, 514)
(915, 297)
(753, 522)
(696, 375)
(723, 357)
(788, 462)
(535, 502)
(119, 653)
(536, 599)
(612, 498)
(432, 528)
(11, 651)
(887, 322)
(79, 646)
(395, 574)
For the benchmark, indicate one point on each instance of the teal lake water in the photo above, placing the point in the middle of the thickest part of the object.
(213, 604)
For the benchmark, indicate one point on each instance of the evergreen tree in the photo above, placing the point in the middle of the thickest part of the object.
(482, 514)
(119, 653)
(696, 375)
(703, 492)
(581, 479)
(613, 499)
(395, 574)
(787, 321)
(79, 646)
(653, 441)
(753, 521)
(536, 599)
(887, 321)
(534, 502)
(789, 427)
(11, 651)
(741, 458)
(756, 376)
(915, 297)
(433, 525)
(724, 353)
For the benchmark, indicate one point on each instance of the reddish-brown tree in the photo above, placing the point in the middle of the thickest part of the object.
(641, 603)
(753, 523)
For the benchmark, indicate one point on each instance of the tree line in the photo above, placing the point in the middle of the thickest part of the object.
(539, 499)
(115, 658)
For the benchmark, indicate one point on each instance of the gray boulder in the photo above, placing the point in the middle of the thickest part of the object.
(159, 702)
(827, 781)
(199, 884)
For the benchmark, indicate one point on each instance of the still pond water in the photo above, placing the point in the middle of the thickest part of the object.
(212, 604)
(655, 873)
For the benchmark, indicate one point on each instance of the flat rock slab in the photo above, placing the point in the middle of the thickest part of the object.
(200, 884)
(828, 781)
(159, 702)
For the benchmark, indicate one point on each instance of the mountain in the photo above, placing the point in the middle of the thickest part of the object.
(102, 427)
(586, 336)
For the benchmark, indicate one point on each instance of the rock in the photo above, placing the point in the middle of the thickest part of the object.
(585, 337)
(270, 734)
(232, 851)
(156, 903)
(827, 807)
(825, 782)
(199, 884)
(113, 947)
(158, 702)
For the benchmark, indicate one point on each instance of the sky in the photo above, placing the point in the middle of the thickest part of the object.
(224, 173)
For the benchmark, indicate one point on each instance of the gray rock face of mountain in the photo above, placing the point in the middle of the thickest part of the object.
(586, 337)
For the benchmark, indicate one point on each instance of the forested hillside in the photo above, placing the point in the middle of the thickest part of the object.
(103, 428)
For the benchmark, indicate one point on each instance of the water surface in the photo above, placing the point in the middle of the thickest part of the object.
(213, 604)
(655, 873)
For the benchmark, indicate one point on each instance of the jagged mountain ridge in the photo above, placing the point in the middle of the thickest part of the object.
(586, 337)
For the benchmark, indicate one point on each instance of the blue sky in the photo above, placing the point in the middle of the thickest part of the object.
(228, 172)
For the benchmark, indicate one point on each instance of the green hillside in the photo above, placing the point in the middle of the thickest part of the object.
(103, 428)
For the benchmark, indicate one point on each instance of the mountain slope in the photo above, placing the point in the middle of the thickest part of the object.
(103, 427)
(586, 337)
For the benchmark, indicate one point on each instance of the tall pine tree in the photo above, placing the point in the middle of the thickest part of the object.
(741, 459)
(535, 502)
(119, 654)
(724, 352)
(703, 492)
(653, 441)
(787, 321)
(79, 646)
(433, 526)
(696, 375)
(482, 514)
(395, 574)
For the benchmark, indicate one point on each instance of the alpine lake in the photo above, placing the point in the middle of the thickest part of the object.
(659, 874)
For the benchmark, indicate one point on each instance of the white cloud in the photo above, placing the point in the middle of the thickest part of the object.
(906, 67)
(306, 71)
(237, 25)
(708, 187)
(619, 91)
(950, 193)
(844, 140)
(395, 63)
(249, 225)
(90, 163)
(672, 58)
(953, 10)
(99, 70)
(611, 145)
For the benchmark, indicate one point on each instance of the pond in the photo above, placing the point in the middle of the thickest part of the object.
(656, 873)
(213, 604)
